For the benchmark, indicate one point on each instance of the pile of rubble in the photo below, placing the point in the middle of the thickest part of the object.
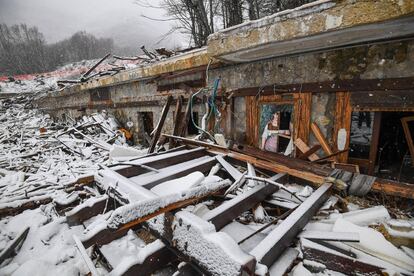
(41, 156)
(192, 209)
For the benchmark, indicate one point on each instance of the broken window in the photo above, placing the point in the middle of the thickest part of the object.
(275, 126)
(361, 134)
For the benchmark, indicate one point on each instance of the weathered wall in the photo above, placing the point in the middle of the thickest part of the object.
(382, 61)
(391, 60)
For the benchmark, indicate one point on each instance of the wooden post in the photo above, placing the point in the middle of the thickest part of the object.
(177, 119)
(160, 125)
(404, 122)
(342, 120)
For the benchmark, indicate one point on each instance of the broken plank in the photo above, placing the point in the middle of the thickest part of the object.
(321, 139)
(234, 173)
(131, 215)
(330, 236)
(91, 207)
(269, 249)
(295, 167)
(9, 250)
(227, 211)
(284, 262)
(149, 259)
(215, 252)
(85, 257)
(304, 148)
(20, 206)
(337, 261)
(159, 161)
(160, 124)
(177, 120)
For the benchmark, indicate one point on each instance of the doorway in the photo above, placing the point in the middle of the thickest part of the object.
(379, 145)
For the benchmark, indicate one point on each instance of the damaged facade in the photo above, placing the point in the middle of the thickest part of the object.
(320, 96)
(283, 60)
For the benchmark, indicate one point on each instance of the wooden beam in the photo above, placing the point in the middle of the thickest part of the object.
(304, 148)
(310, 152)
(337, 261)
(177, 120)
(159, 161)
(271, 247)
(160, 124)
(306, 170)
(85, 257)
(408, 137)
(8, 251)
(86, 210)
(186, 119)
(343, 112)
(229, 210)
(321, 138)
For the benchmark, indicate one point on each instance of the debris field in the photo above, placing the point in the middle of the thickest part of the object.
(76, 199)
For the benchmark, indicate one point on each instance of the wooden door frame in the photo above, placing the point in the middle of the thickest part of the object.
(301, 102)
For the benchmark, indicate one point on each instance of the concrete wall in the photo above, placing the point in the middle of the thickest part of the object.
(382, 61)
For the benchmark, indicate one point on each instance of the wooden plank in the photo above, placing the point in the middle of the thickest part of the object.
(321, 138)
(408, 137)
(373, 150)
(343, 112)
(299, 168)
(149, 207)
(177, 120)
(229, 210)
(359, 86)
(311, 151)
(85, 256)
(330, 236)
(160, 162)
(27, 205)
(186, 119)
(346, 167)
(233, 172)
(284, 262)
(160, 124)
(337, 261)
(202, 165)
(153, 262)
(86, 210)
(304, 148)
(270, 248)
(302, 110)
(8, 251)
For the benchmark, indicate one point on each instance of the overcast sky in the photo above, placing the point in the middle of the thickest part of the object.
(119, 19)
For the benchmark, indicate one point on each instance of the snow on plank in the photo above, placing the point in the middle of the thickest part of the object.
(280, 238)
(215, 252)
(226, 212)
(131, 215)
(330, 236)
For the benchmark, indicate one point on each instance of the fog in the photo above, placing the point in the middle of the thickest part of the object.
(118, 19)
